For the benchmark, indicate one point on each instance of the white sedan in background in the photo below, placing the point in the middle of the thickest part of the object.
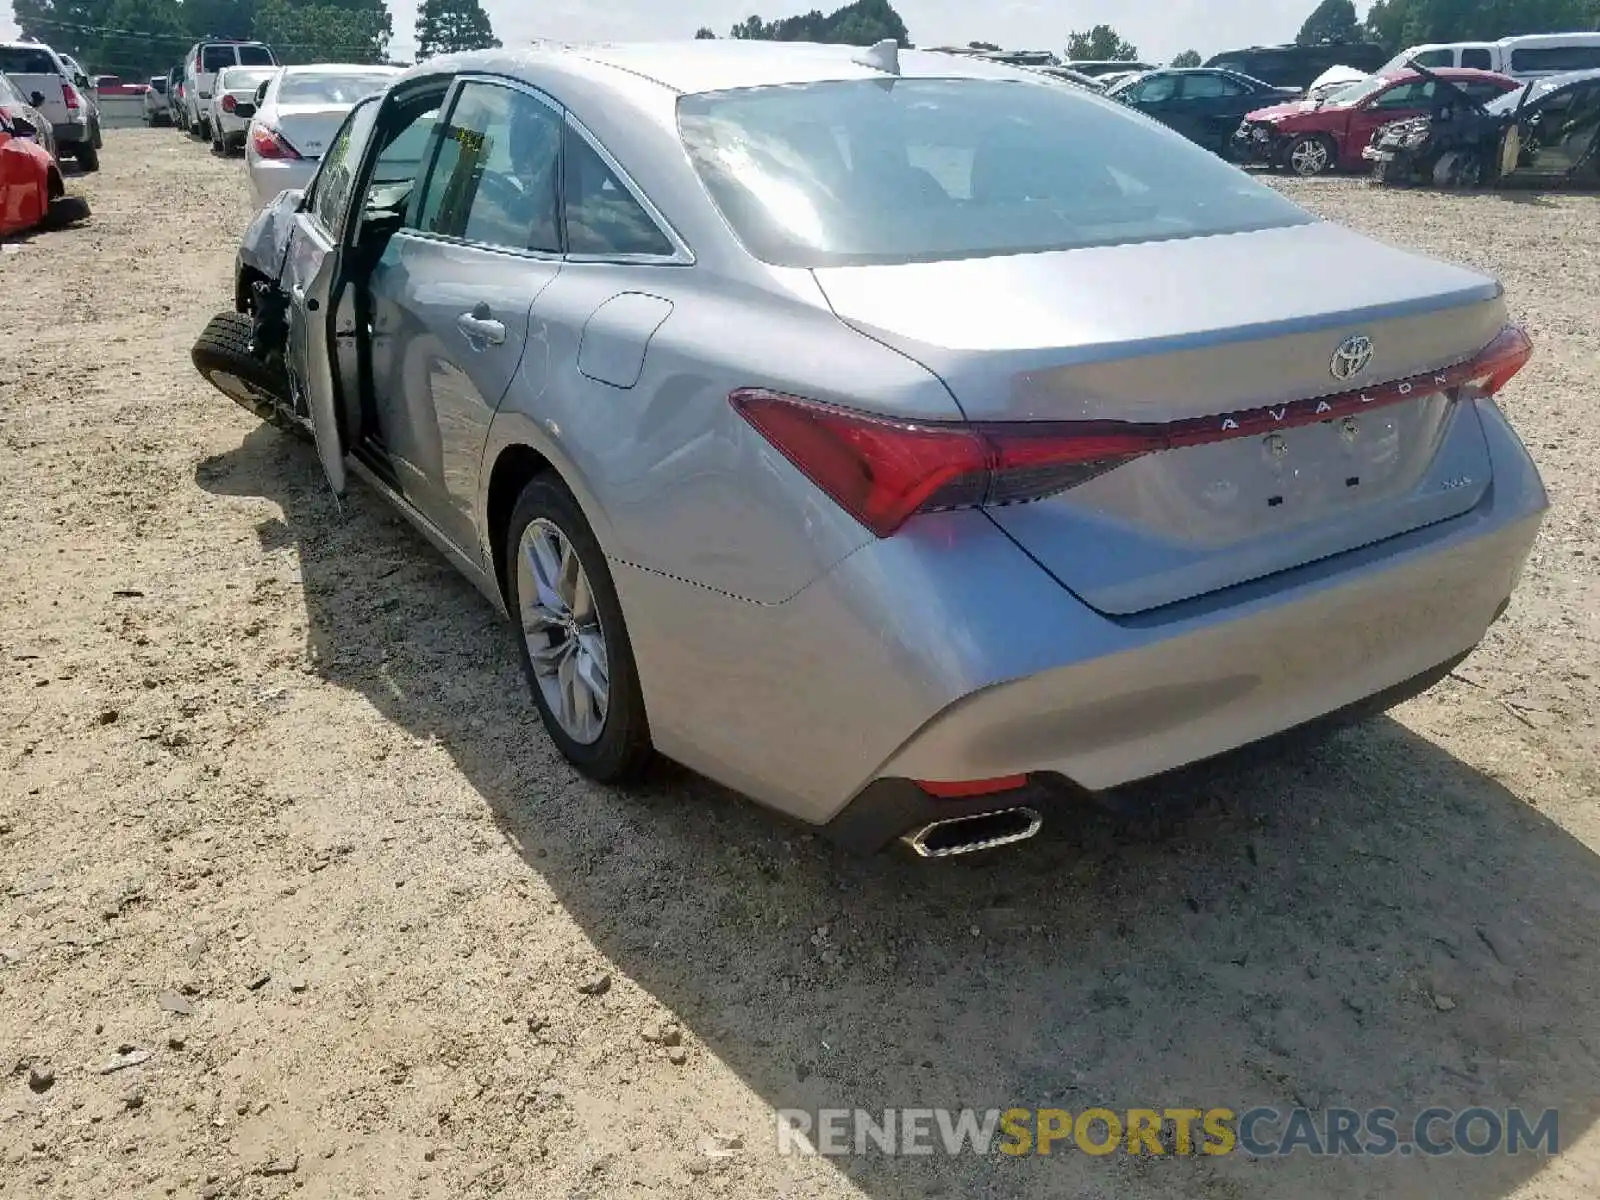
(297, 117)
(233, 105)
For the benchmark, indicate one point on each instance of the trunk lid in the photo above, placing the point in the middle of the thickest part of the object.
(310, 128)
(1205, 330)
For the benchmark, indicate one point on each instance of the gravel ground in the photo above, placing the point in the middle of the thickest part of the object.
(294, 895)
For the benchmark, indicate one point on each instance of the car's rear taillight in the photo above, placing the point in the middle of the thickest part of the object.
(1500, 360)
(69, 95)
(229, 104)
(883, 470)
(269, 143)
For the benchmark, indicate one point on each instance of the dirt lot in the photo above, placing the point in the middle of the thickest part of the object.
(276, 818)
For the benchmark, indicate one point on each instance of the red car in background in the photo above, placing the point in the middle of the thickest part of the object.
(1311, 137)
(30, 181)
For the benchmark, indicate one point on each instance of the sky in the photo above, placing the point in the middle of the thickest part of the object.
(1160, 28)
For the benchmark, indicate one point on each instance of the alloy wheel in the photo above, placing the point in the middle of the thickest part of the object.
(1309, 157)
(561, 623)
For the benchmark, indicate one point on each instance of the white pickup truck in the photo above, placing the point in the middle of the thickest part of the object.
(40, 75)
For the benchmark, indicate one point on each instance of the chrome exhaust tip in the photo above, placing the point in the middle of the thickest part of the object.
(969, 835)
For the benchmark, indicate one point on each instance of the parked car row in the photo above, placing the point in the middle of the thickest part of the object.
(1545, 132)
(1054, 476)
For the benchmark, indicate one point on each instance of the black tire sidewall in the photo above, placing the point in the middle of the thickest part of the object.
(215, 350)
(623, 748)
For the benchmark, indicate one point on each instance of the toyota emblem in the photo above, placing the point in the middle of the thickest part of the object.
(1352, 357)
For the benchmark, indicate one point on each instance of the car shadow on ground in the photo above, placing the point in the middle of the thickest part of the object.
(1365, 921)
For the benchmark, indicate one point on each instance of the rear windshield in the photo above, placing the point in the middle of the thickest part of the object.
(332, 88)
(158, 83)
(214, 58)
(916, 170)
(239, 78)
(20, 60)
(256, 56)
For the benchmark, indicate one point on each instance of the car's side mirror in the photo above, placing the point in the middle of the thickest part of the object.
(82, 81)
(22, 127)
(37, 99)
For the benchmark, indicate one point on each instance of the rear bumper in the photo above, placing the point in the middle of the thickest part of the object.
(268, 178)
(887, 809)
(945, 654)
(72, 133)
(231, 127)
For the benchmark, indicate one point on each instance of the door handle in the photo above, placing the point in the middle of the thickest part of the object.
(479, 327)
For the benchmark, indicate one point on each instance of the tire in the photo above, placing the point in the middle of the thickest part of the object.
(222, 355)
(1311, 155)
(622, 749)
(65, 211)
(87, 156)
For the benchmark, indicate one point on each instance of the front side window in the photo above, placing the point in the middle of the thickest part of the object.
(1478, 60)
(602, 217)
(920, 170)
(330, 191)
(497, 174)
(1434, 59)
(1416, 94)
(1154, 91)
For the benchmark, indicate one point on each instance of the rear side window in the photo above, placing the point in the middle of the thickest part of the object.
(1555, 58)
(495, 180)
(256, 56)
(922, 170)
(602, 217)
(1478, 60)
(215, 58)
(21, 60)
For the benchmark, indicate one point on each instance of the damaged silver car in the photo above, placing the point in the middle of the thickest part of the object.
(907, 441)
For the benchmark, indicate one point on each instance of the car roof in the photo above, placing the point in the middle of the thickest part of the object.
(1454, 74)
(722, 64)
(326, 69)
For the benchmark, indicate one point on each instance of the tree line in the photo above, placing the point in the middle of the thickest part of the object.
(139, 38)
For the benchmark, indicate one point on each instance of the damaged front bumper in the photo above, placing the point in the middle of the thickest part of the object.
(1258, 142)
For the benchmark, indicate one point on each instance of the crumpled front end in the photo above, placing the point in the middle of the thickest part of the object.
(1259, 142)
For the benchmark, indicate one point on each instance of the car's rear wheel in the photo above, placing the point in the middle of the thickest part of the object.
(87, 156)
(1310, 155)
(574, 644)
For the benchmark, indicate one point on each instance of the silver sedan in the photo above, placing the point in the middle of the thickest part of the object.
(904, 440)
(293, 117)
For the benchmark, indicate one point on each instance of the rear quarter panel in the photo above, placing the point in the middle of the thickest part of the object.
(672, 479)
